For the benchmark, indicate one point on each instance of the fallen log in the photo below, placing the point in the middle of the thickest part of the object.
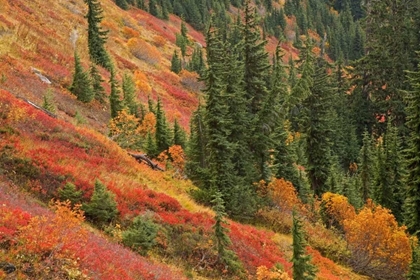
(143, 158)
(38, 107)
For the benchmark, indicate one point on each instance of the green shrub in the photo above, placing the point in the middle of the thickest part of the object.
(141, 235)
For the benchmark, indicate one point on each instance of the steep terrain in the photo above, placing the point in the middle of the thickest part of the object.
(39, 154)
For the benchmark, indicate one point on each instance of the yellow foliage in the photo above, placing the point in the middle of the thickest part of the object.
(16, 114)
(377, 242)
(178, 158)
(284, 194)
(337, 208)
(148, 124)
(263, 273)
(142, 82)
(124, 128)
(57, 234)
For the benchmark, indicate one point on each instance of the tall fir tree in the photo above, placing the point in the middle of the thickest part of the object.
(197, 164)
(96, 35)
(317, 127)
(115, 101)
(226, 256)
(217, 121)
(302, 268)
(412, 154)
(98, 89)
(162, 135)
(81, 85)
(366, 170)
(256, 82)
(176, 63)
(180, 136)
(129, 93)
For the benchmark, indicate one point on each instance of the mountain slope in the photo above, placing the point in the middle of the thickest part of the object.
(40, 154)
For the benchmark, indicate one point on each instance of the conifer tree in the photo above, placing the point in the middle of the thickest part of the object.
(151, 149)
(98, 89)
(180, 137)
(390, 175)
(197, 163)
(96, 35)
(115, 101)
(242, 202)
(176, 64)
(366, 170)
(256, 80)
(163, 137)
(48, 102)
(317, 127)
(302, 268)
(81, 85)
(217, 121)
(122, 4)
(102, 207)
(69, 192)
(283, 158)
(129, 91)
(412, 196)
(414, 272)
(225, 255)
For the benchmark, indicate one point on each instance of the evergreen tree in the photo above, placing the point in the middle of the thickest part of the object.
(412, 196)
(196, 165)
(102, 207)
(141, 235)
(151, 149)
(242, 204)
(217, 121)
(98, 89)
(180, 137)
(256, 80)
(129, 91)
(116, 104)
(389, 183)
(302, 268)
(96, 35)
(184, 30)
(366, 170)
(162, 136)
(48, 103)
(69, 192)
(414, 272)
(283, 155)
(81, 85)
(226, 256)
(153, 8)
(122, 4)
(389, 52)
(176, 64)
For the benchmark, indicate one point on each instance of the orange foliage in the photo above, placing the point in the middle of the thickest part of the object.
(284, 195)
(159, 41)
(336, 209)
(129, 32)
(148, 124)
(144, 51)
(379, 246)
(142, 82)
(59, 235)
(263, 273)
(178, 158)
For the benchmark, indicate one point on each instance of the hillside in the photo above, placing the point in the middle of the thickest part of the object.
(43, 155)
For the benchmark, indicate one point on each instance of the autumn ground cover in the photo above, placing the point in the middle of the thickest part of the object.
(40, 154)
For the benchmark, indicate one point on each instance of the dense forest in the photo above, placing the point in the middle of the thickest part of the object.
(322, 131)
